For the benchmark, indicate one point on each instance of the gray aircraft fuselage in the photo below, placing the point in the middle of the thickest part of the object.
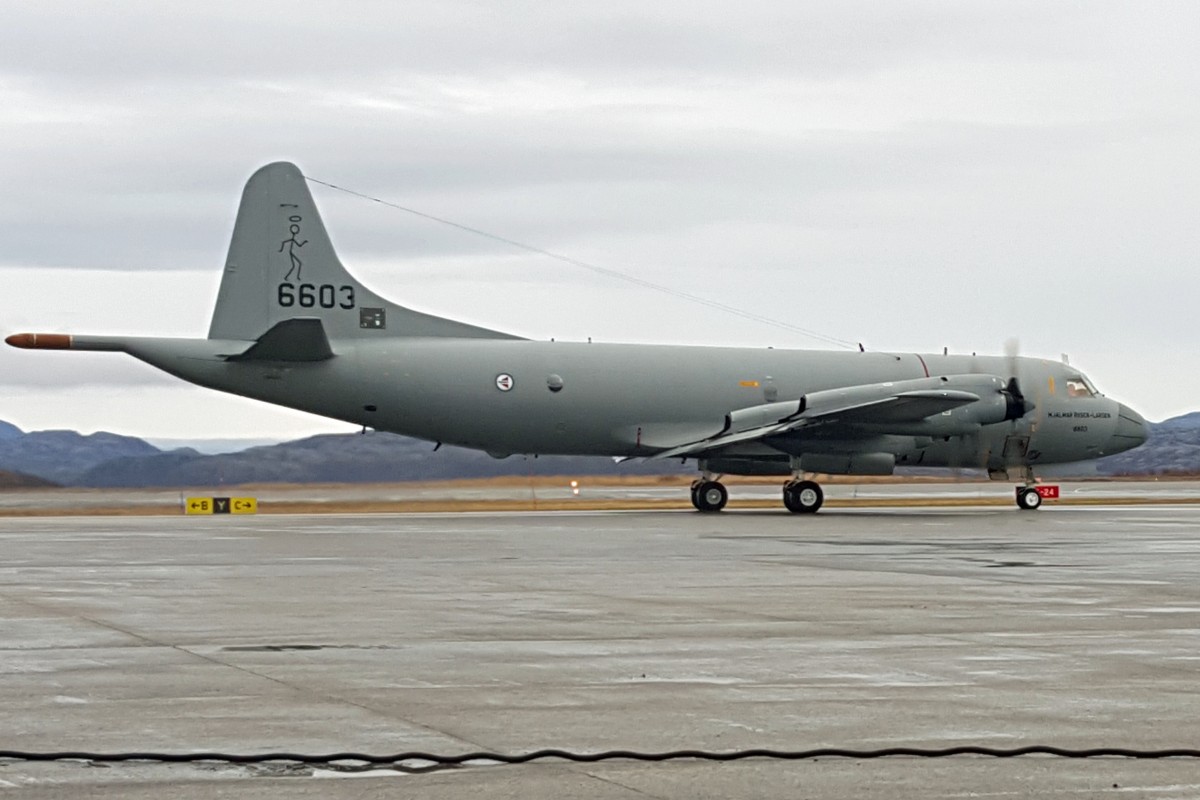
(630, 400)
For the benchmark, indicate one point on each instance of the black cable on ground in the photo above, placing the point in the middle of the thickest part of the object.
(608, 755)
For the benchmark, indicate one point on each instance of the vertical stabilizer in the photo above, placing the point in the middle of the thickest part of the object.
(281, 265)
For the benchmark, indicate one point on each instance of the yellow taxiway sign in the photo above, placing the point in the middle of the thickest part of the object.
(220, 505)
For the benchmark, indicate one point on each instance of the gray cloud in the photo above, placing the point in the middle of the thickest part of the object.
(146, 40)
(911, 174)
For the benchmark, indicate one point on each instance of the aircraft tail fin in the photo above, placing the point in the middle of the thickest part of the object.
(282, 266)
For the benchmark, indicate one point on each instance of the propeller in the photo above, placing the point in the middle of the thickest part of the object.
(1016, 404)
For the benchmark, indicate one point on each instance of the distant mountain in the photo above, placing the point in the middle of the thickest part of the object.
(109, 460)
(61, 456)
(343, 458)
(1173, 448)
(212, 446)
(15, 480)
(1186, 422)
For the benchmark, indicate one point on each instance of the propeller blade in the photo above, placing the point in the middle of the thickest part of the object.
(1017, 405)
(1012, 348)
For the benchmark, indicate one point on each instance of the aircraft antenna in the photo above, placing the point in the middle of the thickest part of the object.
(611, 273)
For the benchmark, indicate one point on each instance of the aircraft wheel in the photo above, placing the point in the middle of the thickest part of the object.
(803, 497)
(709, 496)
(1028, 498)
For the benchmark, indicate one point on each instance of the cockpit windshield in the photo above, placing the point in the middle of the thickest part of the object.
(1079, 386)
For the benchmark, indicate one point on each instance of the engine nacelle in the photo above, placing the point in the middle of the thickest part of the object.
(744, 419)
(747, 466)
(849, 463)
(991, 405)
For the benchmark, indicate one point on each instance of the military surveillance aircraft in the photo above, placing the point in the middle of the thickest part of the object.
(292, 327)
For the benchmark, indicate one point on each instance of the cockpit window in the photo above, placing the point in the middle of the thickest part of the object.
(1080, 387)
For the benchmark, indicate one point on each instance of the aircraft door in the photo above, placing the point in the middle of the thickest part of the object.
(1016, 449)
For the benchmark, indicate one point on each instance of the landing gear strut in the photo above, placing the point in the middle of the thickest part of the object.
(803, 497)
(1030, 496)
(709, 495)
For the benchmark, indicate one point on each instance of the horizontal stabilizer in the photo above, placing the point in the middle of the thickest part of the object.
(297, 339)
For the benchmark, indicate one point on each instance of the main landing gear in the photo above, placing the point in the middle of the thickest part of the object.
(799, 496)
(803, 497)
(709, 494)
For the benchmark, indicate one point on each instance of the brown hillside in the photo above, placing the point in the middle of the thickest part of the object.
(17, 480)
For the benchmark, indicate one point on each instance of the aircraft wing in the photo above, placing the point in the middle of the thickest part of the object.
(830, 409)
(903, 407)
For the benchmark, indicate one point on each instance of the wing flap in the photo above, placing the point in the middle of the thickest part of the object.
(722, 440)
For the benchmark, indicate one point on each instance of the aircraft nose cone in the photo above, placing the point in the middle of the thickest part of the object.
(1131, 431)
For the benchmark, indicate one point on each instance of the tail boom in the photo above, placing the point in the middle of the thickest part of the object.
(65, 341)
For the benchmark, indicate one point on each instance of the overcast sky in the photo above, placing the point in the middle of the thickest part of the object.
(911, 175)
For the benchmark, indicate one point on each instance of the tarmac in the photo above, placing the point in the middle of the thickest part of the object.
(589, 493)
(650, 631)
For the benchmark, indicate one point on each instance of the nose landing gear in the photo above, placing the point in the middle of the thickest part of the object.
(1028, 498)
(1031, 495)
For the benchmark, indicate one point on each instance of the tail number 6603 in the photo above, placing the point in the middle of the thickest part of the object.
(309, 295)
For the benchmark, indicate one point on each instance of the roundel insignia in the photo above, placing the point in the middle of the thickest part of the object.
(504, 382)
